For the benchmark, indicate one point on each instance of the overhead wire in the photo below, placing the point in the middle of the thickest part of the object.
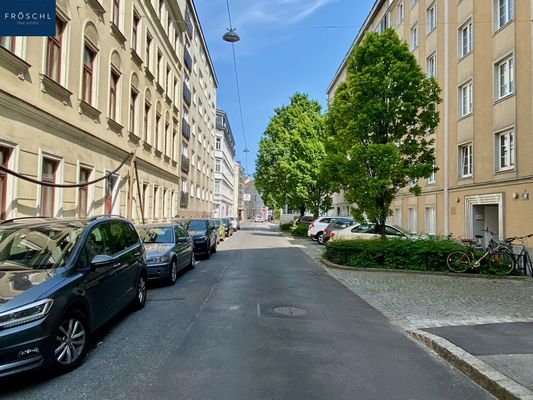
(245, 151)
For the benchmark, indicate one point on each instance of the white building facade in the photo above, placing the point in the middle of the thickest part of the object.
(224, 189)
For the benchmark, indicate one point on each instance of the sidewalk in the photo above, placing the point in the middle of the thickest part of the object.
(482, 326)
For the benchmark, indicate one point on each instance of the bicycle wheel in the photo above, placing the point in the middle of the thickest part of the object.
(501, 263)
(458, 261)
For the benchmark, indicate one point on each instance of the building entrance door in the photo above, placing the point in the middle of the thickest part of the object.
(485, 218)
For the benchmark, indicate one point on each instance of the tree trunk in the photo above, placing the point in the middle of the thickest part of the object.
(302, 211)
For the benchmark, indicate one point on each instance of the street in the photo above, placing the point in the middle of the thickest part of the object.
(259, 320)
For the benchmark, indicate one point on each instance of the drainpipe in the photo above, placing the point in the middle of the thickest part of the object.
(446, 117)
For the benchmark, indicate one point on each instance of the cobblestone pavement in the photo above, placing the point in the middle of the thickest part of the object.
(418, 301)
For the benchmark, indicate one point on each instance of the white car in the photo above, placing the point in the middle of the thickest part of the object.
(316, 229)
(369, 231)
(258, 218)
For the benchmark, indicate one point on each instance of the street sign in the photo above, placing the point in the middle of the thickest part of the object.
(246, 197)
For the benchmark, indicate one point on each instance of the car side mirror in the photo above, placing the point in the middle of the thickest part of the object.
(101, 260)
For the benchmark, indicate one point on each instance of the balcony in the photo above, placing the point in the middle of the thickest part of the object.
(184, 200)
(185, 129)
(185, 163)
(187, 59)
(187, 97)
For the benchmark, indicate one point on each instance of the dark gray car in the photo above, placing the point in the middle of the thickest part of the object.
(169, 249)
(60, 280)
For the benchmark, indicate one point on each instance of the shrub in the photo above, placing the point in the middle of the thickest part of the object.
(421, 255)
(286, 227)
(300, 230)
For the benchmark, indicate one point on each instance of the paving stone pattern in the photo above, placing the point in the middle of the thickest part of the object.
(420, 300)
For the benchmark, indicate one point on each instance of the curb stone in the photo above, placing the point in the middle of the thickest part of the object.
(480, 372)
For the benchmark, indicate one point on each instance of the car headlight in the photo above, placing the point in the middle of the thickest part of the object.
(28, 313)
(157, 260)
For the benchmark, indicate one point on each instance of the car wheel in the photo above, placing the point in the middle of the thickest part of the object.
(173, 273)
(140, 294)
(71, 340)
(193, 261)
(320, 238)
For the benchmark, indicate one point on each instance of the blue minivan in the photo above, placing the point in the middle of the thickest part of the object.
(60, 280)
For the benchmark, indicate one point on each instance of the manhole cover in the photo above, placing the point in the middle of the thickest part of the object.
(289, 311)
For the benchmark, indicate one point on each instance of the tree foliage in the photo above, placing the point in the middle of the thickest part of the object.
(291, 152)
(380, 126)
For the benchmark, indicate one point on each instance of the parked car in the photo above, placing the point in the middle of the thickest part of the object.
(60, 280)
(369, 231)
(235, 223)
(169, 249)
(227, 226)
(259, 218)
(306, 219)
(221, 232)
(204, 235)
(316, 229)
(334, 227)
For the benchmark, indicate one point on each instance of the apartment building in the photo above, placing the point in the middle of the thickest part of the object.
(122, 95)
(224, 187)
(480, 52)
(238, 191)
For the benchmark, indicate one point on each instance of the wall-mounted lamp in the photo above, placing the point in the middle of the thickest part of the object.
(457, 200)
(525, 195)
(515, 195)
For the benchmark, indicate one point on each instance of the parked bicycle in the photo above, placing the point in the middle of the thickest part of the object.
(522, 259)
(500, 258)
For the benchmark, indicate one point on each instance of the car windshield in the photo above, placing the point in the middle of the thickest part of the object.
(156, 234)
(196, 225)
(42, 247)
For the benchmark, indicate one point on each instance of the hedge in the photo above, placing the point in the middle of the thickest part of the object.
(295, 230)
(420, 255)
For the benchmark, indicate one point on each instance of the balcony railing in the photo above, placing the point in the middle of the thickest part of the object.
(185, 163)
(185, 129)
(184, 200)
(187, 97)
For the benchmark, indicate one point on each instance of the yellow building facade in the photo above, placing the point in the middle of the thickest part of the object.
(480, 52)
(125, 91)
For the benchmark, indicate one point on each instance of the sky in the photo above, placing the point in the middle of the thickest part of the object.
(286, 46)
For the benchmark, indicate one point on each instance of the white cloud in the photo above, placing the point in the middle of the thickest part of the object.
(282, 12)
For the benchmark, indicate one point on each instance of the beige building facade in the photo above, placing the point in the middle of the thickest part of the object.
(480, 52)
(125, 91)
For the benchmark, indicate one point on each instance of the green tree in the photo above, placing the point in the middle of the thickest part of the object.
(380, 126)
(289, 161)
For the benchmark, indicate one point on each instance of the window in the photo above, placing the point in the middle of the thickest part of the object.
(114, 91)
(49, 170)
(414, 36)
(110, 195)
(158, 66)
(465, 99)
(155, 203)
(116, 12)
(184, 149)
(466, 160)
(465, 39)
(4, 162)
(83, 193)
(157, 130)
(503, 12)
(53, 65)
(505, 150)
(88, 74)
(400, 12)
(412, 220)
(148, 50)
(217, 186)
(431, 18)
(218, 143)
(9, 42)
(217, 166)
(398, 216)
(413, 2)
(433, 177)
(431, 220)
(505, 78)
(431, 65)
(135, 30)
(134, 94)
(147, 108)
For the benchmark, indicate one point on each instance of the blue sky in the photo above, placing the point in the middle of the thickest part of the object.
(286, 46)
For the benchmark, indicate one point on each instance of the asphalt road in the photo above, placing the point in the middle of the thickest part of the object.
(259, 320)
